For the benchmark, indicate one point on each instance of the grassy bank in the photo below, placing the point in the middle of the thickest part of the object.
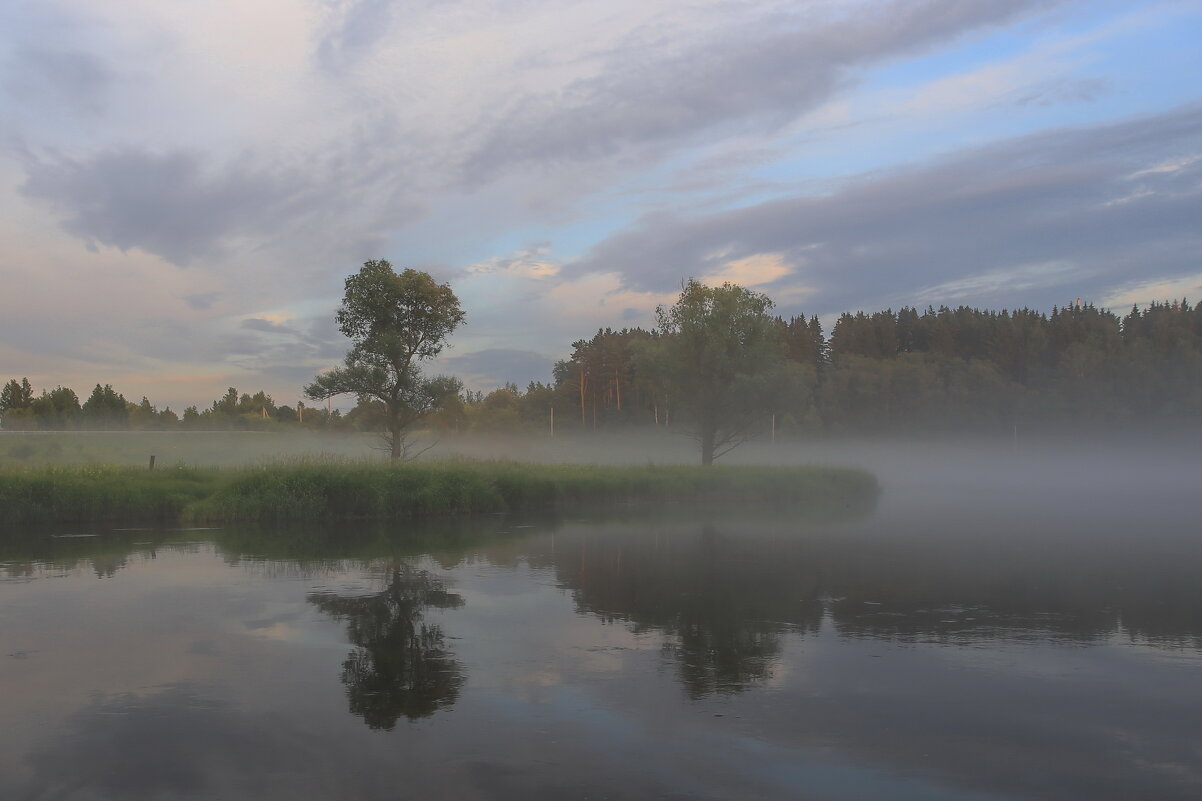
(340, 490)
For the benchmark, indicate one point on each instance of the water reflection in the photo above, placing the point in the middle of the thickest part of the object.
(723, 600)
(672, 657)
(401, 665)
(725, 595)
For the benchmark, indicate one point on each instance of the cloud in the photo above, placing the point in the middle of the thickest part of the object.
(529, 262)
(648, 140)
(68, 81)
(167, 204)
(202, 301)
(492, 367)
(961, 224)
(1142, 293)
(353, 29)
(755, 270)
(765, 72)
(267, 326)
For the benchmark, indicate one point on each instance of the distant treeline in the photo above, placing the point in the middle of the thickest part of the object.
(106, 409)
(938, 369)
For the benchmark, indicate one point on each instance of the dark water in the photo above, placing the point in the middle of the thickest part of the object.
(986, 646)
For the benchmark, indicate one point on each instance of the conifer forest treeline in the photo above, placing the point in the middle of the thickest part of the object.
(945, 369)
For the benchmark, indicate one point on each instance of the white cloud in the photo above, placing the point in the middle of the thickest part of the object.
(1018, 278)
(1156, 290)
(750, 271)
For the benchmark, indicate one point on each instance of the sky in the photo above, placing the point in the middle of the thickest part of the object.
(184, 187)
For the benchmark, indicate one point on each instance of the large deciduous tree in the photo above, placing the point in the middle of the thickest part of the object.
(722, 356)
(395, 321)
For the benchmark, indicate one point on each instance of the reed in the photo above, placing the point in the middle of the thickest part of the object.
(334, 489)
(87, 493)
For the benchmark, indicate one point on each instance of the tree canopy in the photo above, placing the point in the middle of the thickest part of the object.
(720, 353)
(394, 321)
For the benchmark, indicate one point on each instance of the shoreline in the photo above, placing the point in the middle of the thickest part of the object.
(330, 490)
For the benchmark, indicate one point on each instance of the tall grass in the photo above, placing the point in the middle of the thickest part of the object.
(345, 490)
(81, 494)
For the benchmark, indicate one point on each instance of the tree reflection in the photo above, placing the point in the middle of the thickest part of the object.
(401, 665)
(724, 601)
(724, 659)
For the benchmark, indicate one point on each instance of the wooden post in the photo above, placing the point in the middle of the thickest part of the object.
(552, 421)
(151, 462)
(773, 429)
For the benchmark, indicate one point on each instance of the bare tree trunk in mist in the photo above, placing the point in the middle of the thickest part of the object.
(394, 437)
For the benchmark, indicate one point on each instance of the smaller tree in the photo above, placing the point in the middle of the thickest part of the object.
(105, 409)
(57, 409)
(16, 395)
(721, 356)
(394, 321)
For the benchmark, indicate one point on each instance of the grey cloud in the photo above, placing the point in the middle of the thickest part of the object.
(202, 301)
(71, 81)
(1097, 199)
(165, 204)
(359, 25)
(292, 352)
(186, 207)
(749, 77)
(494, 366)
(115, 342)
(295, 375)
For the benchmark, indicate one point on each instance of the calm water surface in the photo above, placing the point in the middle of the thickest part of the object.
(984, 646)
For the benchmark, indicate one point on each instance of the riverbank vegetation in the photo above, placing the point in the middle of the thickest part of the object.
(307, 490)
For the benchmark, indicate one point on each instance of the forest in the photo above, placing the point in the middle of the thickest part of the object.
(940, 369)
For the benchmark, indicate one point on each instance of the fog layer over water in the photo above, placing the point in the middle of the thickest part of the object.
(1003, 624)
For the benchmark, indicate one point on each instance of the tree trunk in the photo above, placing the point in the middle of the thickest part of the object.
(394, 436)
(583, 422)
(707, 445)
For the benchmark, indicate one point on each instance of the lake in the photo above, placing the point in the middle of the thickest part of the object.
(1028, 638)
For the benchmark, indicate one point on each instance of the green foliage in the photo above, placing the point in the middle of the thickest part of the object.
(939, 369)
(401, 317)
(57, 409)
(394, 321)
(16, 395)
(308, 490)
(100, 493)
(19, 420)
(722, 358)
(105, 409)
